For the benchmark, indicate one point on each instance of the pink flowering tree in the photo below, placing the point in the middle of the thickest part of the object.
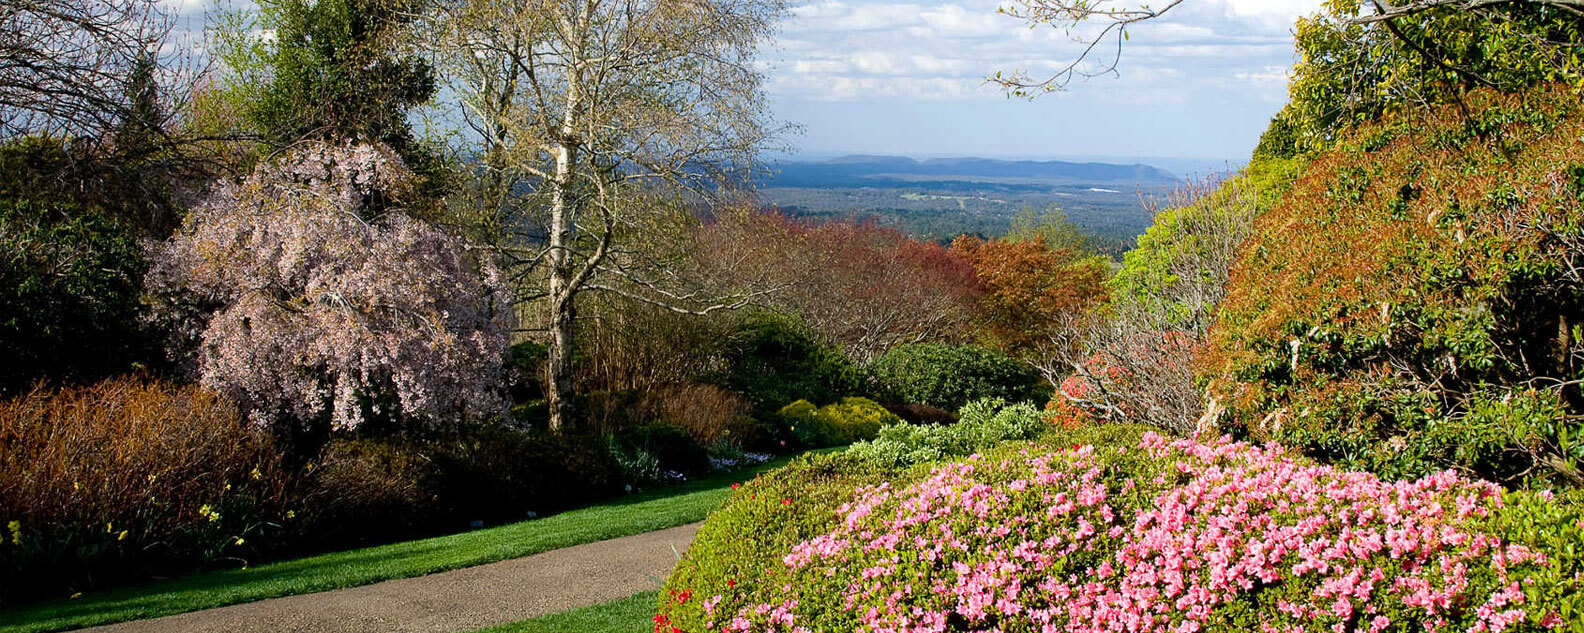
(311, 296)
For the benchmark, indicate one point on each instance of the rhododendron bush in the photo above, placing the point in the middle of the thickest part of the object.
(1157, 535)
(1411, 303)
(313, 296)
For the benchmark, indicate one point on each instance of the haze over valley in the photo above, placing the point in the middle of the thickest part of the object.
(941, 198)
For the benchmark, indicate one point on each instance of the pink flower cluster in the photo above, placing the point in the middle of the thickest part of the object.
(311, 295)
(1188, 535)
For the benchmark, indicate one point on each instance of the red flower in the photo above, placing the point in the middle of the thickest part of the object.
(731, 583)
(786, 502)
(736, 485)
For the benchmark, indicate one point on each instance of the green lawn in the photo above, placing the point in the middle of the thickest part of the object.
(634, 514)
(628, 615)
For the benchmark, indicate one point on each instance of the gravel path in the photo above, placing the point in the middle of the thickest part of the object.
(453, 601)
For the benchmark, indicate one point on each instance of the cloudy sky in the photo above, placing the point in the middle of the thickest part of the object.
(908, 78)
(877, 76)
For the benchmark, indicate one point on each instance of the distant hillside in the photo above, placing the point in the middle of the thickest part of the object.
(892, 171)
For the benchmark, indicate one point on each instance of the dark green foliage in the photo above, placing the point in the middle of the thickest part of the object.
(134, 187)
(648, 451)
(360, 487)
(70, 282)
(378, 488)
(773, 360)
(502, 473)
(140, 132)
(950, 376)
(526, 355)
(525, 372)
(35, 168)
(921, 413)
(335, 73)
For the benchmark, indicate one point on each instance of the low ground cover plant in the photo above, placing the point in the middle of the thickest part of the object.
(743, 541)
(981, 425)
(1152, 535)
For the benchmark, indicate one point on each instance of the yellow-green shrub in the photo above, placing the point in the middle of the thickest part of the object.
(843, 422)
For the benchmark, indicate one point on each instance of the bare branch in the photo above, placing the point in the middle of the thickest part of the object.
(1114, 22)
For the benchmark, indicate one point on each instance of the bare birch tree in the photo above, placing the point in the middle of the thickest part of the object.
(588, 119)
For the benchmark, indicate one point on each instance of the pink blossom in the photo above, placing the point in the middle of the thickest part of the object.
(1015, 542)
(311, 295)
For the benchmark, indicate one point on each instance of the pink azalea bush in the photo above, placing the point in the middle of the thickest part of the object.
(312, 295)
(1159, 535)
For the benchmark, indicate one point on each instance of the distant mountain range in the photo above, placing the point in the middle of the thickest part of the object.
(892, 171)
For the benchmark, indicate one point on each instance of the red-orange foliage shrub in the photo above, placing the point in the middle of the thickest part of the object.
(1066, 415)
(1143, 377)
(860, 287)
(127, 476)
(1032, 294)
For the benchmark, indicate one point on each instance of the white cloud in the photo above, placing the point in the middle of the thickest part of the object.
(867, 49)
(185, 7)
(954, 20)
(1279, 13)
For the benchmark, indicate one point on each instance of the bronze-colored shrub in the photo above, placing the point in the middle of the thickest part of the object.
(126, 477)
(368, 487)
(373, 488)
(708, 413)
